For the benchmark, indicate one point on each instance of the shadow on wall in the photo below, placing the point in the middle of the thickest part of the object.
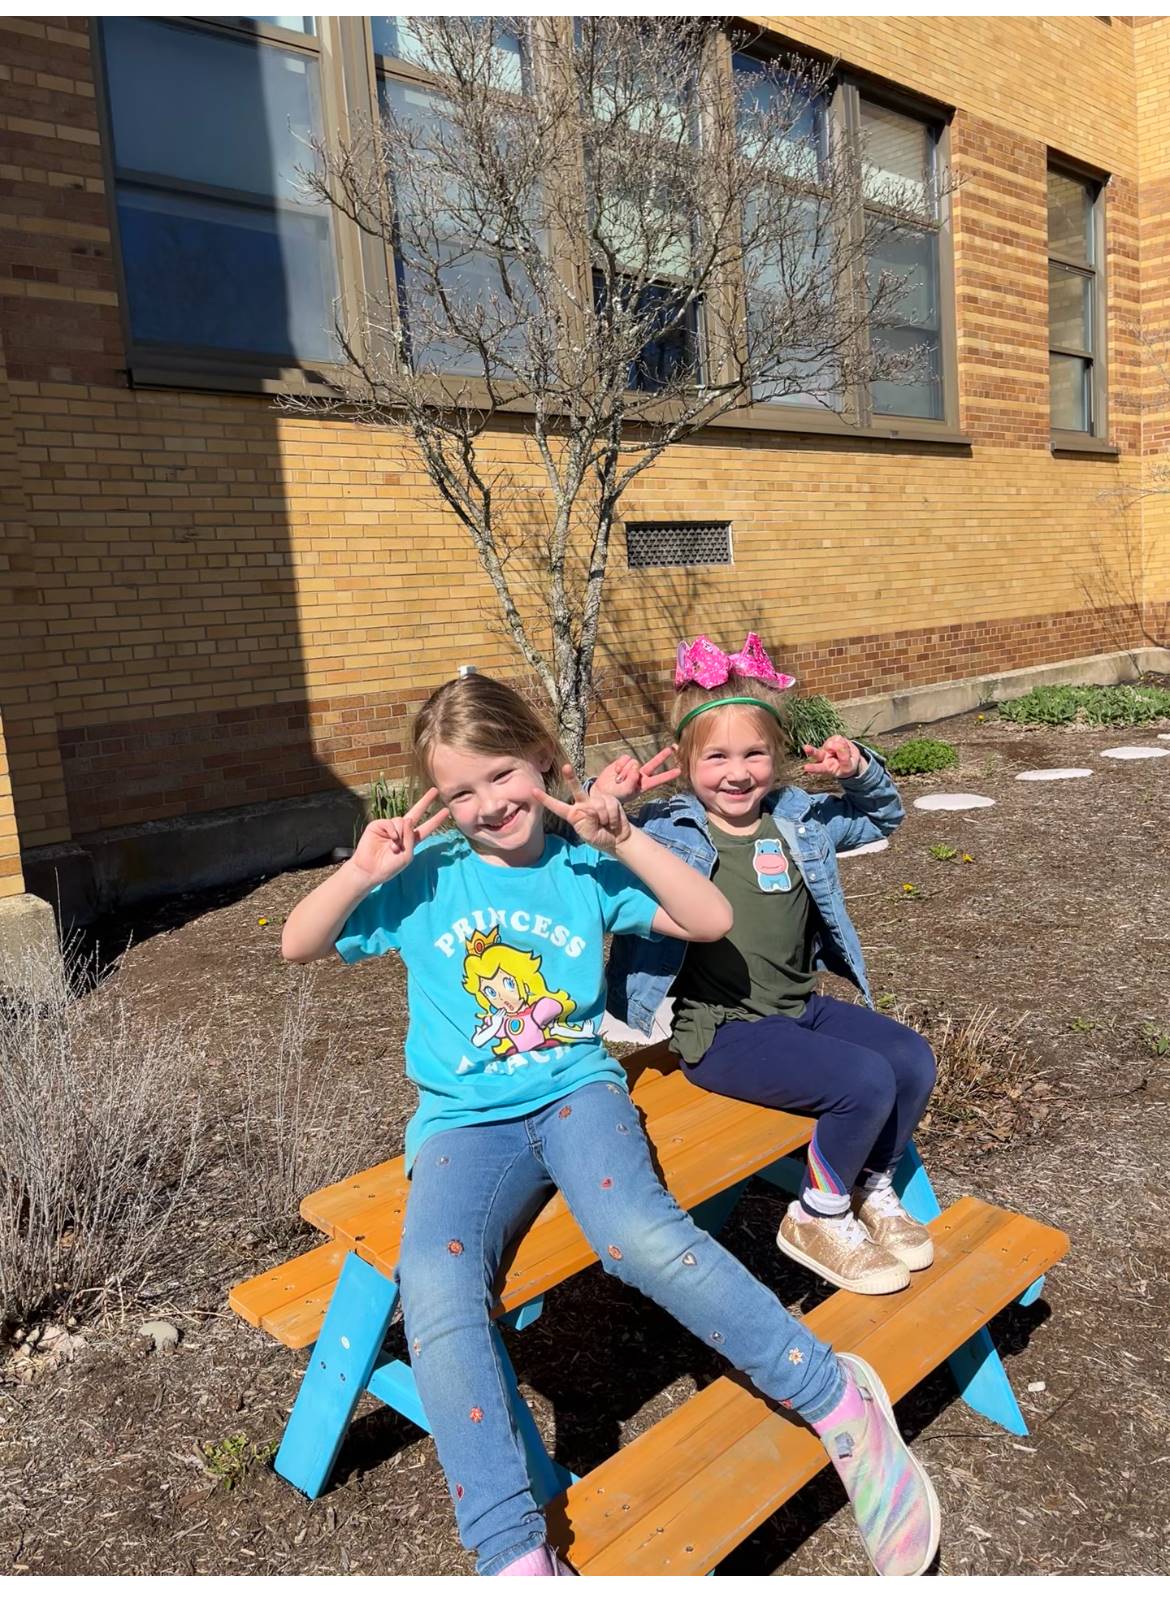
(184, 718)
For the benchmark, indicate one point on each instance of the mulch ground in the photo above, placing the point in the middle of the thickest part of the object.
(1060, 921)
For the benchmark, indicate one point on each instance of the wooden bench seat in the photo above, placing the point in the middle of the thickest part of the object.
(681, 1497)
(704, 1144)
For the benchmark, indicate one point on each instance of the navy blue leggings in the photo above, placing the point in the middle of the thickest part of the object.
(866, 1078)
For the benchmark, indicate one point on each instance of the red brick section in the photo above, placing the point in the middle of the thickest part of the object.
(128, 772)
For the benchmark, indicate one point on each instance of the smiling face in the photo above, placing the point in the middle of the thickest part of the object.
(490, 800)
(732, 767)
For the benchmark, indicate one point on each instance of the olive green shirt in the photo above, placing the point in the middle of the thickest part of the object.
(764, 964)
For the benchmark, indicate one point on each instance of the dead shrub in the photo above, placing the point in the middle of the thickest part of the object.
(989, 1081)
(301, 1120)
(99, 1131)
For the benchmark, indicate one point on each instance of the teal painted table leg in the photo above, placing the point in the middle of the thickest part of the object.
(976, 1366)
(337, 1375)
(518, 1319)
(545, 1476)
(786, 1173)
(1031, 1294)
(712, 1214)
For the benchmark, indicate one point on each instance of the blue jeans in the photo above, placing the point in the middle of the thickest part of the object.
(471, 1190)
(867, 1079)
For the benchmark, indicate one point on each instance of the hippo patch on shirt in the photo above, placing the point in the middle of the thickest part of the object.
(771, 866)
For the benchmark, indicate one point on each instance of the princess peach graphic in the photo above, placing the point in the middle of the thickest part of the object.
(522, 1013)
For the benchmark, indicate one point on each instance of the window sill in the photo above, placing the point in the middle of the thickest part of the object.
(759, 418)
(315, 381)
(275, 380)
(1083, 444)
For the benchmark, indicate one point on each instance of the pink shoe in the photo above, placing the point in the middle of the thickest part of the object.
(891, 1495)
(542, 1561)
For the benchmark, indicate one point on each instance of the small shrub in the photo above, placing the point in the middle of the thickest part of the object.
(1061, 704)
(229, 1461)
(389, 799)
(988, 1079)
(1156, 1040)
(922, 754)
(811, 719)
(100, 1127)
(299, 1120)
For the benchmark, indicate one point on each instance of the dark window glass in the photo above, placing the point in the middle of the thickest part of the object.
(219, 248)
(671, 355)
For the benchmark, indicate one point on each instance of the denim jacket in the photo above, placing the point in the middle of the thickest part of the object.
(813, 827)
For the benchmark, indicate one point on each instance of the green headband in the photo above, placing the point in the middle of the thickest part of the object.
(734, 699)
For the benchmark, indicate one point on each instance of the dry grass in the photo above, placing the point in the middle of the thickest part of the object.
(989, 1081)
(299, 1119)
(100, 1118)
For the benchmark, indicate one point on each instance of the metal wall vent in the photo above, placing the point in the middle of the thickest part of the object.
(678, 544)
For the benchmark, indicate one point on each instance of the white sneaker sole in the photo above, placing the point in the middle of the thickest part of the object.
(875, 1283)
(877, 1387)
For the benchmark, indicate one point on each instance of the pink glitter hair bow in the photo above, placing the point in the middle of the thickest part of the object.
(705, 663)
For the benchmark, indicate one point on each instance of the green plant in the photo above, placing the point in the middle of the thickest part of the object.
(811, 719)
(388, 799)
(1061, 704)
(228, 1462)
(942, 851)
(1082, 1023)
(885, 1001)
(922, 754)
(1157, 1041)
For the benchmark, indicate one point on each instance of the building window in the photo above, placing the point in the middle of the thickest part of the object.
(896, 154)
(221, 256)
(1075, 304)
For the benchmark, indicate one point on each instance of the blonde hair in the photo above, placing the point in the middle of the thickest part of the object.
(771, 728)
(484, 717)
(486, 957)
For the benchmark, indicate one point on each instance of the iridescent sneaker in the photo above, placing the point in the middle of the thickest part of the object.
(841, 1250)
(880, 1211)
(893, 1501)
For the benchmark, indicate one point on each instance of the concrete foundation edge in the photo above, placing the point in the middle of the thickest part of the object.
(114, 870)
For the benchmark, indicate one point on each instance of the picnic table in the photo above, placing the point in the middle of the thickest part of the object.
(680, 1497)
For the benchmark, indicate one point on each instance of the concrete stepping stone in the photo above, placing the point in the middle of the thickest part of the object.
(953, 801)
(1135, 752)
(1053, 773)
(1165, 735)
(875, 847)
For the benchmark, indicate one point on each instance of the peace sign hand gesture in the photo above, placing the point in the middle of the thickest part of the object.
(624, 778)
(387, 846)
(597, 819)
(836, 757)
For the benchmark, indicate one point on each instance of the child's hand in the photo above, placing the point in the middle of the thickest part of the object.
(836, 757)
(624, 778)
(597, 818)
(387, 846)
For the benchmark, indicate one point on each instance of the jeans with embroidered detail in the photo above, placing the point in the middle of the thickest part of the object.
(472, 1189)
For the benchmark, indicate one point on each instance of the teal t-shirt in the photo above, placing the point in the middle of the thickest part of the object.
(505, 976)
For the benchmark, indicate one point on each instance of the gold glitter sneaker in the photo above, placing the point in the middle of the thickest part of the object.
(880, 1212)
(841, 1250)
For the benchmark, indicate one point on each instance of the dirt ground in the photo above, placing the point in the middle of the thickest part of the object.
(1060, 920)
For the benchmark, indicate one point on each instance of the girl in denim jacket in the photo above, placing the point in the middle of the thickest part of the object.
(747, 1021)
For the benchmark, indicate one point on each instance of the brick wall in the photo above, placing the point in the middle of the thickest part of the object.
(218, 603)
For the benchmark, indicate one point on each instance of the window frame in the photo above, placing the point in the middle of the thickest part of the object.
(1095, 440)
(846, 89)
(158, 365)
(349, 73)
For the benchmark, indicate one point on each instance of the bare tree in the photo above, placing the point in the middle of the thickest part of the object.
(1127, 562)
(604, 239)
